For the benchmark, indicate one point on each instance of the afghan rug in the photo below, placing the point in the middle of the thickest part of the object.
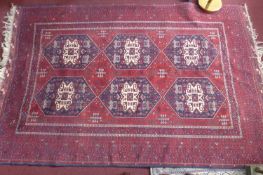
(131, 85)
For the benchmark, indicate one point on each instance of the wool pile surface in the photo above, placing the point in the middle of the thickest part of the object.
(131, 85)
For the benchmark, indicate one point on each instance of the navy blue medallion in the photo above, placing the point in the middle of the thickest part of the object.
(191, 52)
(131, 51)
(71, 51)
(64, 96)
(130, 97)
(194, 98)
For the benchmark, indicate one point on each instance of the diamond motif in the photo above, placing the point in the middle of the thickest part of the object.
(130, 97)
(99, 73)
(65, 96)
(71, 51)
(131, 51)
(161, 74)
(194, 98)
(191, 52)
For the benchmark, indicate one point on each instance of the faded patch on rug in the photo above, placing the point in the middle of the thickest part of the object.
(132, 85)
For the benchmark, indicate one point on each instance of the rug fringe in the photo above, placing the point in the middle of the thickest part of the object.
(258, 46)
(6, 45)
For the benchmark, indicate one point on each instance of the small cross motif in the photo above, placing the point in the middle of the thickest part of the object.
(163, 119)
(235, 50)
(213, 35)
(47, 35)
(161, 34)
(102, 34)
(162, 73)
(245, 119)
(42, 73)
(100, 73)
(33, 117)
(95, 118)
(217, 74)
(224, 120)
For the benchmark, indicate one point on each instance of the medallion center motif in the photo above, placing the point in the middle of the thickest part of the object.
(65, 94)
(130, 97)
(195, 97)
(71, 52)
(132, 51)
(191, 52)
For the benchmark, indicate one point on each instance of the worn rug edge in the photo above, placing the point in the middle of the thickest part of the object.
(8, 49)
(257, 46)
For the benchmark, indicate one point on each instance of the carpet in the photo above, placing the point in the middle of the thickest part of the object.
(131, 85)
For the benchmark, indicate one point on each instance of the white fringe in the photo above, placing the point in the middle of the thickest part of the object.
(258, 46)
(6, 45)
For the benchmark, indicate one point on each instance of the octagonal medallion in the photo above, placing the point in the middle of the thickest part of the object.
(131, 51)
(194, 98)
(130, 97)
(191, 52)
(64, 96)
(71, 51)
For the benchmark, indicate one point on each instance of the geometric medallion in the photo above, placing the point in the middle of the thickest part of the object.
(130, 97)
(66, 96)
(191, 52)
(131, 51)
(194, 98)
(71, 51)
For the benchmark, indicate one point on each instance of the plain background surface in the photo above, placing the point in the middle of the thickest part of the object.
(255, 9)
